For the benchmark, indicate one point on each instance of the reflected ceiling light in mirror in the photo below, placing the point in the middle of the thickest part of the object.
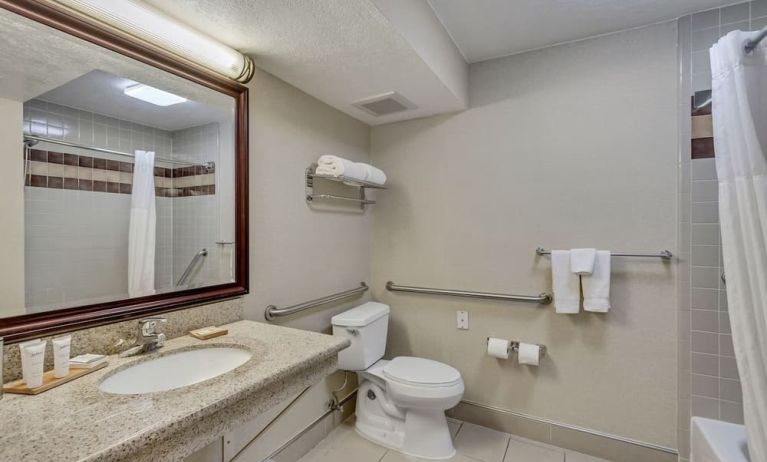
(148, 24)
(153, 95)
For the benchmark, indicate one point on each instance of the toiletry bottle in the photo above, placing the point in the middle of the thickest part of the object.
(32, 362)
(61, 347)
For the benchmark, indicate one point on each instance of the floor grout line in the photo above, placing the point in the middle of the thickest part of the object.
(506, 451)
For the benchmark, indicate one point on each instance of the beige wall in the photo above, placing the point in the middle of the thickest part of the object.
(298, 253)
(12, 205)
(574, 145)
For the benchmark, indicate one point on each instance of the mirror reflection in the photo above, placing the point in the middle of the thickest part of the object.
(120, 178)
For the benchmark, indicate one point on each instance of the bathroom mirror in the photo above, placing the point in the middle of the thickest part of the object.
(124, 179)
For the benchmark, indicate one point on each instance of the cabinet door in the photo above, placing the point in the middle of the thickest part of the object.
(214, 452)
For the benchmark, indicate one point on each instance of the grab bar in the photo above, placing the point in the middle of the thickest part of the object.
(188, 271)
(273, 312)
(542, 298)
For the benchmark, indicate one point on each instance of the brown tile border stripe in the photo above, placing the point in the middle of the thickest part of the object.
(54, 157)
(702, 142)
(702, 148)
(587, 441)
(697, 100)
(85, 173)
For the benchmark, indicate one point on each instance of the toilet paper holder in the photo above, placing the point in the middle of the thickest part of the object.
(514, 347)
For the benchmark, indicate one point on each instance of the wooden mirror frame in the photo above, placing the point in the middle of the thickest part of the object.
(17, 328)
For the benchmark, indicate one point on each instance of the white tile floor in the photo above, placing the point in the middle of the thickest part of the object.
(473, 443)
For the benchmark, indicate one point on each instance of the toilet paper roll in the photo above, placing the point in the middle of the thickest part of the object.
(498, 347)
(528, 354)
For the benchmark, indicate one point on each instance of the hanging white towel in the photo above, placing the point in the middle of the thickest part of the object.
(567, 290)
(596, 287)
(142, 228)
(582, 261)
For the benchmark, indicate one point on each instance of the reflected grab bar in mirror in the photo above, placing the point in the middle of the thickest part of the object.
(542, 298)
(188, 271)
(272, 311)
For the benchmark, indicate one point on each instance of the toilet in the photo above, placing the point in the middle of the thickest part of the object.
(401, 402)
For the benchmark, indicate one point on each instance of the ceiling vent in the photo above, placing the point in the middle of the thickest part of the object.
(385, 104)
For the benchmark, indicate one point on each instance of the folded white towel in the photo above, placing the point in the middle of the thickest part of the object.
(582, 261)
(567, 289)
(596, 287)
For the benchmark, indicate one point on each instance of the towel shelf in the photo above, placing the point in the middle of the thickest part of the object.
(345, 180)
(312, 197)
(542, 298)
(361, 186)
(664, 254)
(273, 312)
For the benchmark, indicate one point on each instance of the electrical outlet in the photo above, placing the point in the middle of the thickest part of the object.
(462, 320)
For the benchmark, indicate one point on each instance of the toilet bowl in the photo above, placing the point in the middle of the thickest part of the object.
(401, 402)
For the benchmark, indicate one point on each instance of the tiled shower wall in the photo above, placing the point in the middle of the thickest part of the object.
(196, 219)
(77, 257)
(57, 220)
(708, 376)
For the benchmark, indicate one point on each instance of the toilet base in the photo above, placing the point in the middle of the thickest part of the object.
(417, 432)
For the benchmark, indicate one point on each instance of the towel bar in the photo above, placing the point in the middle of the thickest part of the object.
(664, 254)
(273, 312)
(542, 298)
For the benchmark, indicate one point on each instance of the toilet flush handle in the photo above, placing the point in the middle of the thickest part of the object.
(352, 331)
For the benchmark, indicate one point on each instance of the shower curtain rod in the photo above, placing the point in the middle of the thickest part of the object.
(106, 151)
(751, 44)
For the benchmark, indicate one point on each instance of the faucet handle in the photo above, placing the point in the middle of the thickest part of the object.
(147, 326)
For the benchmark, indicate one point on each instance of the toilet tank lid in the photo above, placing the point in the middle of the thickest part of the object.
(360, 316)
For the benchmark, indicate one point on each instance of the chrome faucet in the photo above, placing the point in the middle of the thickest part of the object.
(147, 338)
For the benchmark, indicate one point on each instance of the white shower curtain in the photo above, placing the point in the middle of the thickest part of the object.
(143, 221)
(739, 91)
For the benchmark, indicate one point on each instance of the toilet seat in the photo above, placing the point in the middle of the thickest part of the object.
(420, 372)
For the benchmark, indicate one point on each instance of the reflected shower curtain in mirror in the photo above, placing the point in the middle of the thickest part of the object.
(739, 92)
(143, 223)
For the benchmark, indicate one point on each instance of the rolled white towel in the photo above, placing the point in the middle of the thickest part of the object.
(338, 166)
(375, 175)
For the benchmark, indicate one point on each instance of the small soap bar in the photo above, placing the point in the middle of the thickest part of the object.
(87, 361)
(205, 333)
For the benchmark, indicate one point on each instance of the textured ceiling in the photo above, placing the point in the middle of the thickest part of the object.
(36, 60)
(102, 93)
(338, 51)
(485, 29)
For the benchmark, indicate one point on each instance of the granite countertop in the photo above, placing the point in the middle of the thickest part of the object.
(78, 422)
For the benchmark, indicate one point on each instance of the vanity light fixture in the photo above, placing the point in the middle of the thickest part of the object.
(153, 95)
(151, 25)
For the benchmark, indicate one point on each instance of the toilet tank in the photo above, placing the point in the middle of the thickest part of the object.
(365, 326)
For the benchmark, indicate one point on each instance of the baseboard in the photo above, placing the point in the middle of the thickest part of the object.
(584, 440)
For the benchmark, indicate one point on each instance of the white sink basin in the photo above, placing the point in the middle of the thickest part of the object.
(175, 370)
